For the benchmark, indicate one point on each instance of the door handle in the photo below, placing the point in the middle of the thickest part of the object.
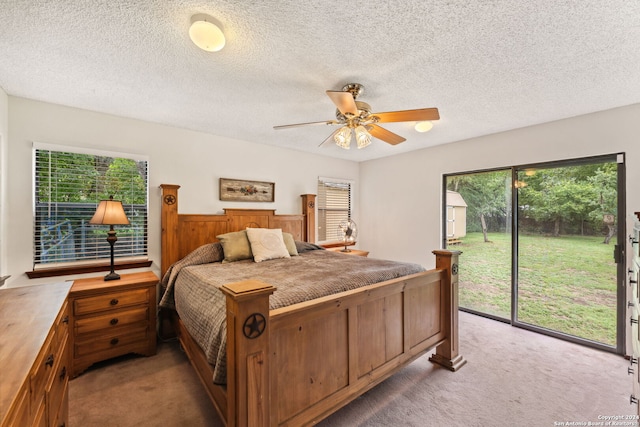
(618, 253)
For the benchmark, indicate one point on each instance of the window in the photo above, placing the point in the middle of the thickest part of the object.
(68, 185)
(334, 206)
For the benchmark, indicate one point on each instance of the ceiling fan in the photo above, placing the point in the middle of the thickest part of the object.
(356, 117)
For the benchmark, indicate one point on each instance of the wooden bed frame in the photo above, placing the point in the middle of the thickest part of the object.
(296, 365)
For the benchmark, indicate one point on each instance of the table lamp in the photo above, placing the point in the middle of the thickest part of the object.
(110, 212)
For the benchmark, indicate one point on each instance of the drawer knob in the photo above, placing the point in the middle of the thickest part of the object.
(114, 301)
(633, 321)
(633, 360)
(63, 373)
(115, 341)
(114, 321)
(65, 319)
(49, 360)
(633, 400)
(629, 371)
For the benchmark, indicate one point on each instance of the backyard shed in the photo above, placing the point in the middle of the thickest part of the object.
(456, 217)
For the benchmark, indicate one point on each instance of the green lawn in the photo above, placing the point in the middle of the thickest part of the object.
(567, 283)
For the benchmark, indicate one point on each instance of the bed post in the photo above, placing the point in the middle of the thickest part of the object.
(447, 353)
(309, 212)
(169, 222)
(248, 376)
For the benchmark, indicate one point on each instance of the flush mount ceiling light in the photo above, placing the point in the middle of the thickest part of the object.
(205, 32)
(423, 126)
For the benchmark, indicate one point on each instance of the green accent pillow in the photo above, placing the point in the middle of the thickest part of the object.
(235, 246)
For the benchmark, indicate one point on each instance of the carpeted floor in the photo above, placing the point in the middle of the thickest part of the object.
(513, 378)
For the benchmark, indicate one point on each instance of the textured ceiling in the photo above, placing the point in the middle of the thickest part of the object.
(489, 66)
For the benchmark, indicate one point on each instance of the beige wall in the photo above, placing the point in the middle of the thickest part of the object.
(401, 197)
(398, 203)
(191, 159)
(4, 131)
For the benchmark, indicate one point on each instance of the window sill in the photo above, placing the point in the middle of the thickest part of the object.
(81, 269)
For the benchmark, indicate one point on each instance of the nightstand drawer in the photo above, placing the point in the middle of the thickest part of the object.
(112, 341)
(111, 320)
(110, 301)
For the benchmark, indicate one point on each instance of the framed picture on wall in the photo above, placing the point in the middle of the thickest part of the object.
(239, 190)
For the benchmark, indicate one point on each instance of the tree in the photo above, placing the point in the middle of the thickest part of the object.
(123, 179)
(486, 195)
(605, 183)
(568, 195)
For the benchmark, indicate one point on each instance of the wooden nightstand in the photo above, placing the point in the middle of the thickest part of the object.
(112, 318)
(356, 252)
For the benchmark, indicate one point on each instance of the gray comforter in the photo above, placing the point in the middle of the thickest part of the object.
(191, 287)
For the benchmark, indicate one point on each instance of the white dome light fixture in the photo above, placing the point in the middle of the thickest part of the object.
(423, 126)
(206, 33)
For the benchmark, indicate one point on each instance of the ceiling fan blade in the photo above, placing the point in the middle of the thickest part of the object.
(385, 135)
(326, 122)
(419, 115)
(344, 101)
(329, 138)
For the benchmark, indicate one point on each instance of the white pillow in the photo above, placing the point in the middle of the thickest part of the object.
(267, 243)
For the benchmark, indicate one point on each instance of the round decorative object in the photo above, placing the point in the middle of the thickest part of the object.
(312, 205)
(254, 326)
(170, 199)
(347, 231)
(454, 269)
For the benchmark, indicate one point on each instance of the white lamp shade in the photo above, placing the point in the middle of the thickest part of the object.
(205, 34)
(343, 137)
(109, 212)
(362, 137)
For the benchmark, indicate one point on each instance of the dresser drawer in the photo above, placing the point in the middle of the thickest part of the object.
(58, 384)
(134, 335)
(110, 301)
(19, 416)
(111, 320)
(61, 416)
(61, 327)
(42, 371)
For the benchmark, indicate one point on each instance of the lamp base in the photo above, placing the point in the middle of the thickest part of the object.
(112, 276)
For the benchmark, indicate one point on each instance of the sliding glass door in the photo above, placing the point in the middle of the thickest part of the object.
(478, 222)
(540, 246)
(567, 230)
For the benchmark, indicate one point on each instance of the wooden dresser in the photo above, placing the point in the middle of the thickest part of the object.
(112, 318)
(34, 355)
(633, 312)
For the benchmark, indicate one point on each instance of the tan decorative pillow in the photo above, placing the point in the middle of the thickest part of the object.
(267, 243)
(290, 243)
(235, 246)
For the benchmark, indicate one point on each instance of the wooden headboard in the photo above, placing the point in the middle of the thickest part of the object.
(183, 233)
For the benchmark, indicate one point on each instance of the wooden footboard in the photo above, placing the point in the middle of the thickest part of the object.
(296, 365)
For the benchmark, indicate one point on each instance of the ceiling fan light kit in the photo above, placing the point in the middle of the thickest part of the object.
(356, 116)
(205, 32)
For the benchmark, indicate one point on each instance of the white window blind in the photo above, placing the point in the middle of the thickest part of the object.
(68, 186)
(334, 206)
